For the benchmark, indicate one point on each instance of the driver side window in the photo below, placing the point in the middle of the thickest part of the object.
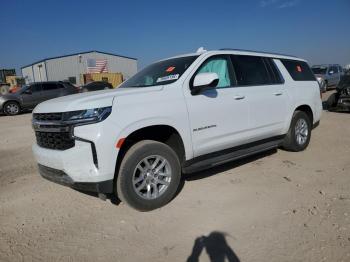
(35, 88)
(220, 66)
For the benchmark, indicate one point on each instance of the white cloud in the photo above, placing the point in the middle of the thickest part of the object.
(278, 3)
(288, 4)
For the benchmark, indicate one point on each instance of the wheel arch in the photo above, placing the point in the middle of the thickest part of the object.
(306, 109)
(162, 133)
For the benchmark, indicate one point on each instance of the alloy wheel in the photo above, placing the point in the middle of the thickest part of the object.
(151, 177)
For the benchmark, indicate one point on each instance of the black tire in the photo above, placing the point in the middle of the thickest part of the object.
(10, 108)
(126, 190)
(331, 101)
(290, 142)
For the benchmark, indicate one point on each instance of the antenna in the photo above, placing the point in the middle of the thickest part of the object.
(201, 50)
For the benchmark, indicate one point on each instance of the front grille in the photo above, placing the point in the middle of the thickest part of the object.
(48, 116)
(55, 140)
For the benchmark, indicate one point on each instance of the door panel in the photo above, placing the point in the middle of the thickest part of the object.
(218, 118)
(268, 107)
(31, 100)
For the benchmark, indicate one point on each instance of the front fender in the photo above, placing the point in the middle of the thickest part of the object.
(147, 122)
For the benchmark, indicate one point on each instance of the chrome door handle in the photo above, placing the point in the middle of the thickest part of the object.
(238, 97)
(278, 93)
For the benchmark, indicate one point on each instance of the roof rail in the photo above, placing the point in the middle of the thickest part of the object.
(263, 52)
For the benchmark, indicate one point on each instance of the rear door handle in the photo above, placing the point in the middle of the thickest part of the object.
(278, 93)
(238, 97)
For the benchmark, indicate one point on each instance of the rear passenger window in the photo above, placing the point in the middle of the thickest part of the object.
(250, 70)
(49, 86)
(275, 74)
(35, 88)
(298, 70)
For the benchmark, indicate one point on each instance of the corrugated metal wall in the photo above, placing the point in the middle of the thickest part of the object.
(27, 74)
(60, 69)
(35, 73)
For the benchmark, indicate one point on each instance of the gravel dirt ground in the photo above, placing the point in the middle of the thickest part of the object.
(277, 206)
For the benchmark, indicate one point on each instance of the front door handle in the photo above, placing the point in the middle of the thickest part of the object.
(278, 93)
(238, 97)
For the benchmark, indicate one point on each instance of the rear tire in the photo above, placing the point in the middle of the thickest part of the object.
(299, 133)
(140, 184)
(11, 108)
(331, 101)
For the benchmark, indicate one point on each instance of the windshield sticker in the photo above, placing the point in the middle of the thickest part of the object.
(167, 78)
(170, 69)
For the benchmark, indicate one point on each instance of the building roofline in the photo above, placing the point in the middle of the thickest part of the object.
(80, 53)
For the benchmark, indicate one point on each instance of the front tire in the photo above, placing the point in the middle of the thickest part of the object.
(149, 175)
(12, 108)
(299, 133)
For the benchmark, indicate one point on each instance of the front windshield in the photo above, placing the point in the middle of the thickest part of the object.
(319, 70)
(160, 73)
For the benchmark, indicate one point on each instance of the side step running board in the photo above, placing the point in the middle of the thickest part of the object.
(208, 162)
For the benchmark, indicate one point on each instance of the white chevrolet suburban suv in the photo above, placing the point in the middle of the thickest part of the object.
(178, 115)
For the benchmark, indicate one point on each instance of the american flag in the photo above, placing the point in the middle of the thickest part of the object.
(97, 65)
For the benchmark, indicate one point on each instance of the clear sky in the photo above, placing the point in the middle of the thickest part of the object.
(317, 30)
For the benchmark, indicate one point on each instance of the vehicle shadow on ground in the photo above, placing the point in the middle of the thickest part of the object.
(216, 246)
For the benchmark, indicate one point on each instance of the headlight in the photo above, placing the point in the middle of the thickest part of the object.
(87, 116)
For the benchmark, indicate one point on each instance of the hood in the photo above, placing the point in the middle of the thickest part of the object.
(10, 96)
(89, 100)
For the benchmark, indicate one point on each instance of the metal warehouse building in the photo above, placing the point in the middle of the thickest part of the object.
(72, 67)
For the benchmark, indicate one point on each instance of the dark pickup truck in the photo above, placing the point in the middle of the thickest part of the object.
(340, 101)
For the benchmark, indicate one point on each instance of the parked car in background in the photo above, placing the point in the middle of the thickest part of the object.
(322, 84)
(95, 86)
(31, 95)
(340, 101)
(178, 115)
(331, 74)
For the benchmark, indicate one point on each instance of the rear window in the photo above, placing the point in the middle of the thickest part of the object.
(298, 70)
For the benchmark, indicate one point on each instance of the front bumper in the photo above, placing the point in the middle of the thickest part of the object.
(60, 177)
(343, 104)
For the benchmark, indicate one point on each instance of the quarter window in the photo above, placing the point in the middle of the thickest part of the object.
(250, 70)
(298, 70)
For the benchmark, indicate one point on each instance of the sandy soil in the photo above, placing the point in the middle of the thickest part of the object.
(279, 206)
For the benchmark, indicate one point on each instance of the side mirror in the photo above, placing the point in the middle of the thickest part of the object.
(203, 82)
(27, 92)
